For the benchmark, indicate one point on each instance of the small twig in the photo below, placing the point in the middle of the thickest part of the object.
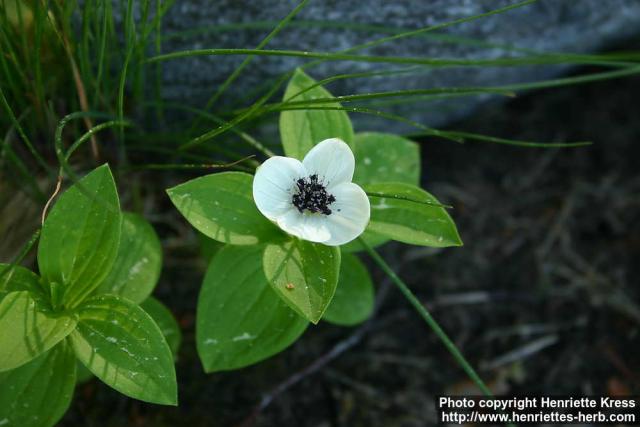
(522, 352)
(558, 227)
(53, 196)
(360, 387)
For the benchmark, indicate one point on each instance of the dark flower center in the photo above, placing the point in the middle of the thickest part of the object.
(312, 196)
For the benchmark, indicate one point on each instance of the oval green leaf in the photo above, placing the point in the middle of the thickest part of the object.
(122, 345)
(136, 269)
(28, 329)
(38, 393)
(372, 239)
(300, 130)
(383, 157)
(303, 274)
(221, 207)
(241, 320)
(409, 214)
(165, 321)
(354, 297)
(80, 236)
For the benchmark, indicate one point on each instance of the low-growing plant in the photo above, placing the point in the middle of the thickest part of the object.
(290, 232)
(90, 304)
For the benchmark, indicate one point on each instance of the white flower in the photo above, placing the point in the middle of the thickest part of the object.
(314, 199)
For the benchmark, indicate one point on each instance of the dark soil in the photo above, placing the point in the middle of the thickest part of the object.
(542, 299)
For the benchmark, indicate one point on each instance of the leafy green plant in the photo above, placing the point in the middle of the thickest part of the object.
(89, 311)
(90, 303)
(265, 285)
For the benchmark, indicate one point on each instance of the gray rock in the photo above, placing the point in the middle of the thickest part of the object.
(548, 25)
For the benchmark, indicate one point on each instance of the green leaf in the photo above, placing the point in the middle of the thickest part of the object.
(14, 278)
(300, 130)
(304, 274)
(38, 393)
(28, 329)
(240, 319)
(165, 321)
(353, 301)
(80, 236)
(122, 345)
(137, 266)
(408, 215)
(372, 239)
(221, 207)
(383, 157)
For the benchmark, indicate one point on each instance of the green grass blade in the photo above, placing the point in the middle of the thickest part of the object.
(439, 26)
(543, 59)
(251, 112)
(281, 25)
(25, 138)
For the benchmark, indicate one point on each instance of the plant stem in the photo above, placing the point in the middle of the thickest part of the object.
(433, 324)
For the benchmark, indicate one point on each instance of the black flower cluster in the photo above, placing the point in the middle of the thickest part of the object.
(312, 196)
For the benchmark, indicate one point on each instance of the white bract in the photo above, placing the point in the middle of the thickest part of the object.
(314, 199)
